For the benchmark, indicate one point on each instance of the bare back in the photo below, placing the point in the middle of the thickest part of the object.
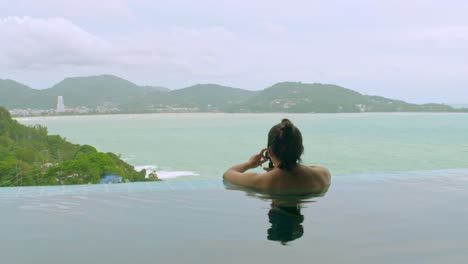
(300, 179)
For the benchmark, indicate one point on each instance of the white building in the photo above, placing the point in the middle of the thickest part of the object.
(60, 105)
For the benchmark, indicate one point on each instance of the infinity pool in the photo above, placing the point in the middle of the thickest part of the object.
(413, 217)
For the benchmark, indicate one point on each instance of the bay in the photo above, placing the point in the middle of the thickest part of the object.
(205, 144)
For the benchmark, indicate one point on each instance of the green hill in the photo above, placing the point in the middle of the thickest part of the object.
(17, 95)
(300, 97)
(209, 96)
(89, 92)
(99, 90)
(29, 156)
(297, 97)
(114, 94)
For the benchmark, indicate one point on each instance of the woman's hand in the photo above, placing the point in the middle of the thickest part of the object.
(237, 174)
(257, 159)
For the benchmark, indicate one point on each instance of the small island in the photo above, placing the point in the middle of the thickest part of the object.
(30, 156)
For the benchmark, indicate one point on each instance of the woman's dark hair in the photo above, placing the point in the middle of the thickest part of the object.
(285, 141)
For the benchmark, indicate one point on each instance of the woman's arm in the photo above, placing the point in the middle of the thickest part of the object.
(237, 174)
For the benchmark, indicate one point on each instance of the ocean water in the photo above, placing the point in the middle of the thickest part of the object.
(399, 194)
(205, 145)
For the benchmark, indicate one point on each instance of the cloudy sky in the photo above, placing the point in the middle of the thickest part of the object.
(412, 50)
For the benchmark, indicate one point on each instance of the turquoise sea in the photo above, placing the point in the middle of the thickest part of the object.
(399, 194)
(207, 144)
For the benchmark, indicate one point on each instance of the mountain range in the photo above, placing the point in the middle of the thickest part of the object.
(123, 96)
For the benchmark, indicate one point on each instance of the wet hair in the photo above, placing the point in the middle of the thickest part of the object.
(285, 141)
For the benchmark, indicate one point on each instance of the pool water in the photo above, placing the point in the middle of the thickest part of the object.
(413, 217)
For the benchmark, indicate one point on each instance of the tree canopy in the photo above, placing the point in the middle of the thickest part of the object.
(30, 156)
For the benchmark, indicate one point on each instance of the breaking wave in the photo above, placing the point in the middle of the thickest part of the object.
(165, 174)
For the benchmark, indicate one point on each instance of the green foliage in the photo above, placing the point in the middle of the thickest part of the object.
(87, 149)
(29, 156)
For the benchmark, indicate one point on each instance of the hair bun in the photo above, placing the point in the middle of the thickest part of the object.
(286, 128)
(285, 141)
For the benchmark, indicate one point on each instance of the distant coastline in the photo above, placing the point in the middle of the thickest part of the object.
(108, 94)
(455, 110)
(221, 113)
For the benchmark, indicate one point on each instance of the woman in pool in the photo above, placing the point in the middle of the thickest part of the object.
(284, 175)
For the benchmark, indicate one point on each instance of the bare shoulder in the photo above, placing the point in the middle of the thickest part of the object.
(321, 172)
(319, 169)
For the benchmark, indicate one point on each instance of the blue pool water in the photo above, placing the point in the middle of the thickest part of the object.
(413, 217)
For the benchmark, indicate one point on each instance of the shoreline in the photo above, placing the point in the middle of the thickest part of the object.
(231, 114)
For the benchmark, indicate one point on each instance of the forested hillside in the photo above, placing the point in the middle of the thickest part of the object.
(29, 156)
(297, 97)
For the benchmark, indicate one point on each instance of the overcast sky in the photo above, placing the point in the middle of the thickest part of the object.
(411, 50)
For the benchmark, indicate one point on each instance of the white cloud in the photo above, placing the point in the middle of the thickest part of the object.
(447, 34)
(42, 43)
(71, 8)
(54, 44)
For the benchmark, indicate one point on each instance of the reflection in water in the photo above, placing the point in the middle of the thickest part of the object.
(285, 214)
(286, 223)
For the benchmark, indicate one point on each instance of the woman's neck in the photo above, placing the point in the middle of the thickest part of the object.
(276, 162)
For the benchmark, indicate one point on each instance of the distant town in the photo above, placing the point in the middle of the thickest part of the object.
(106, 108)
(61, 109)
